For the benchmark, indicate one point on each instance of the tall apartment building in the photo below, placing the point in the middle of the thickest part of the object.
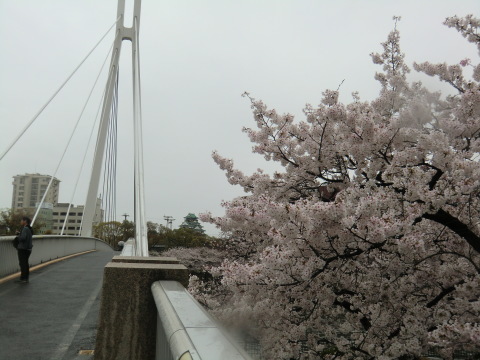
(29, 189)
(74, 218)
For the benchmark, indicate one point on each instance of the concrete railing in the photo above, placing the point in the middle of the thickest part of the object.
(128, 248)
(185, 331)
(46, 248)
(146, 313)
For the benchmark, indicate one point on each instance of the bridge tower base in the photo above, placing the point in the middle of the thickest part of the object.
(128, 321)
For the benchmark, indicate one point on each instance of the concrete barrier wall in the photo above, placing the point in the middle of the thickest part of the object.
(127, 324)
(46, 248)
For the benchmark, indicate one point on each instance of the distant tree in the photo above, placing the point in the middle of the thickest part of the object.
(158, 235)
(10, 221)
(198, 260)
(191, 222)
(128, 228)
(164, 232)
(111, 232)
(186, 237)
(182, 237)
(152, 232)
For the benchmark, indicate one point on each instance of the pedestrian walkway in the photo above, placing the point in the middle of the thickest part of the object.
(54, 317)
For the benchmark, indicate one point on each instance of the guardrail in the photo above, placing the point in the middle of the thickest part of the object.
(185, 331)
(46, 248)
(128, 248)
(181, 330)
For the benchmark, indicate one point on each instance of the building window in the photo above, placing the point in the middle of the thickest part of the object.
(79, 221)
(71, 228)
(22, 181)
(80, 214)
(20, 205)
(72, 214)
(32, 203)
(35, 181)
(63, 213)
(55, 213)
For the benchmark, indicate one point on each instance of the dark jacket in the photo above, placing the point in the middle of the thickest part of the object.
(25, 238)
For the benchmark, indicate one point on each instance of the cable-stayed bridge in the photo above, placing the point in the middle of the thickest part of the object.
(141, 309)
(105, 160)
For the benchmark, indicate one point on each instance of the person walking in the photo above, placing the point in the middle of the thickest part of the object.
(24, 249)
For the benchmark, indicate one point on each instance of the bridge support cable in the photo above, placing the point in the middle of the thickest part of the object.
(88, 142)
(110, 166)
(66, 148)
(2, 155)
(141, 240)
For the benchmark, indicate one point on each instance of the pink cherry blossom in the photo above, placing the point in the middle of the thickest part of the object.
(367, 244)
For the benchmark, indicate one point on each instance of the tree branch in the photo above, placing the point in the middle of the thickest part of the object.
(442, 294)
(457, 226)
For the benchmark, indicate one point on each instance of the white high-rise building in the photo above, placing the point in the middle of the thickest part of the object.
(29, 189)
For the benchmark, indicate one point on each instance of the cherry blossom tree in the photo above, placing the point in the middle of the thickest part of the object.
(198, 260)
(367, 244)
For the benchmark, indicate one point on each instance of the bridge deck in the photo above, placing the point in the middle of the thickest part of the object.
(55, 315)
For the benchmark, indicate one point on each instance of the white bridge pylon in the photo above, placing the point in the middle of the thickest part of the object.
(122, 33)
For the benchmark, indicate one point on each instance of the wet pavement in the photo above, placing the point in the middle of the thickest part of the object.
(54, 316)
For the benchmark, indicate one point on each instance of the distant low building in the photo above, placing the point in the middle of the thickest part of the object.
(44, 218)
(74, 218)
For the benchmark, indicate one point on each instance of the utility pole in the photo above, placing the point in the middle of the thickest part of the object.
(125, 216)
(169, 220)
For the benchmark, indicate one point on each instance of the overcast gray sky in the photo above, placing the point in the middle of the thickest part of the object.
(197, 58)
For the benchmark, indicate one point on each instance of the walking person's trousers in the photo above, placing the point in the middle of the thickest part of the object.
(23, 256)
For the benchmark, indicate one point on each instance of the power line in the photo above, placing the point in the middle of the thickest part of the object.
(169, 220)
